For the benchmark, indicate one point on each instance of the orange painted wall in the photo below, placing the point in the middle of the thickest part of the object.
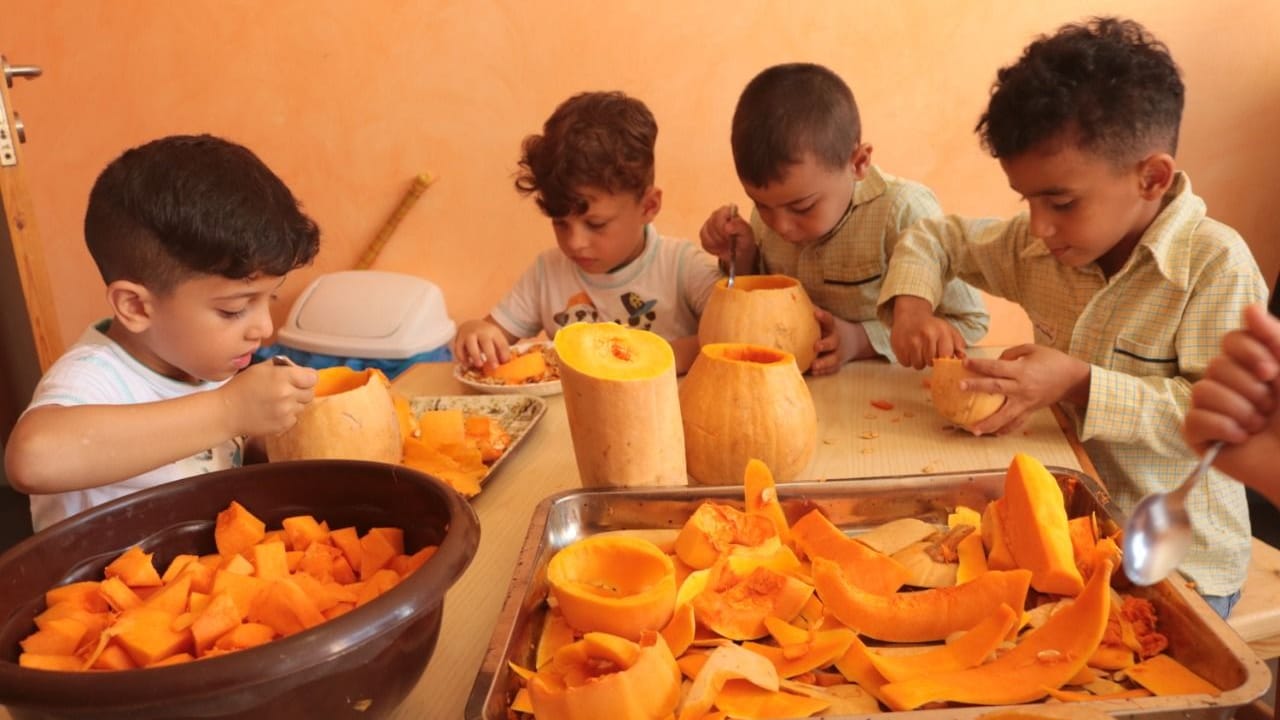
(348, 101)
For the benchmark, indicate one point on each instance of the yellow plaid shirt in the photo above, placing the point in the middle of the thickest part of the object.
(842, 272)
(1148, 332)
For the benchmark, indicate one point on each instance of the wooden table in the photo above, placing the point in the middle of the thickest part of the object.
(910, 439)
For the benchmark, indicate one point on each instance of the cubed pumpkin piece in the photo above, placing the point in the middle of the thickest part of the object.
(442, 427)
(237, 530)
(269, 561)
(347, 540)
(244, 589)
(145, 634)
(113, 657)
(135, 568)
(338, 610)
(236, 564)
(285, 608)
(83, 593)
(201, 575)
(405, 564)
(198, 601)
(58, 637)
(376, 551)
(342, 572)
(178, 659)
(381, 581)
(317, 561)
(94, 621)
(302, 530)
(118, 595)
(63, 663)
(176, 566)
(245, 636)
(172, 598)
(220, 617)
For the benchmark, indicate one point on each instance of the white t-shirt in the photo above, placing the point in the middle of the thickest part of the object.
(663, 290)
(97, 371)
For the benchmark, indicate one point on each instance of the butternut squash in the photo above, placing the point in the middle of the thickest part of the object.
(351, 417)
(618, 585)
(963, 408)
(740, 402)
(623, 407)
(1034, 519)
(769, 310)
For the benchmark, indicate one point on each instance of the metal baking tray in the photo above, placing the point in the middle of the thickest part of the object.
(1197, 636)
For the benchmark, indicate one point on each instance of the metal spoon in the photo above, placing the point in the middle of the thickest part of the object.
(1158, 533)
(733, 248)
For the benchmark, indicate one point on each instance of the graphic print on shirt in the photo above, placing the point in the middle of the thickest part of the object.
(579, 309)
(640, 313)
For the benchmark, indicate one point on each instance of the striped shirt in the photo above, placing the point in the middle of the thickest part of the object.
(842, 271)
(1148, 333)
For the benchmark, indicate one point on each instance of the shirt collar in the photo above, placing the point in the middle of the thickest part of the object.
(864, 191)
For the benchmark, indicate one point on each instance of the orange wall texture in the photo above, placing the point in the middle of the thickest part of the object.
(348, 101)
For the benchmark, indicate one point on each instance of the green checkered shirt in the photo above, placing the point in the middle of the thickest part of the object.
(842, 272)
(1148, 332)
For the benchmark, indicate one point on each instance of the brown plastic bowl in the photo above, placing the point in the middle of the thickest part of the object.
(358, 665)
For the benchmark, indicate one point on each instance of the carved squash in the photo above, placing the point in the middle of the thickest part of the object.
(769, 310)
(870, 570)
(920, 616)
(713, 529)
(624, 411)
(735, 605)
(352, 417)
(1046, 657)
(1034, 519)
(605, 676)
(617, 585)
(963, 408)
(741, 402)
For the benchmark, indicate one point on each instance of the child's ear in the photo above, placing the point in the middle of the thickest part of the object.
(860, 160)
(1155, 175)
(651, 203)
(131, 304)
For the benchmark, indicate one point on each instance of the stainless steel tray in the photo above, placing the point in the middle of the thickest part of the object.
(1197, 636)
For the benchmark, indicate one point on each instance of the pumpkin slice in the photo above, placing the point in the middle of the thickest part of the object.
(820, 650)
(1046, 657)
(713, 529)
(1163, 675)
(353, 416)
(742, 699)
(735, 606)
(1034, 519)
(968, 650)
(769, 310)
(722, 665)
(761, 497)
(623, 407)
(920, 616)
(964, 408)
(892, 536)
(618, 585)
(521, 369)
(603, 676)
(740, 402)
(872, 571)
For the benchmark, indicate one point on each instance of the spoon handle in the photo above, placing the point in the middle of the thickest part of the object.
(1210, 454)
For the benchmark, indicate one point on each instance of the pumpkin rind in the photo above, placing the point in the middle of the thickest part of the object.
(740, 402)
(769, 310)
(1033, 517)
(645, 686)
(869, 569)
(623, 407)
(352, 417)
(962, 407)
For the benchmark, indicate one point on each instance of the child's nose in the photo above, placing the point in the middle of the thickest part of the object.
(1040, 224)
(261, 326)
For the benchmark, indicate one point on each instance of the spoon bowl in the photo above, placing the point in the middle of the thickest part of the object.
(1158, 533)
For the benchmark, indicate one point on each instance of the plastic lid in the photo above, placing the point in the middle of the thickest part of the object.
(368, 314)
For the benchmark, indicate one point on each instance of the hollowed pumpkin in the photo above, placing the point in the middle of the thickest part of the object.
(618, 585)
(713, 529)
(352, 417)
(605, 676)
(1034, 520)
(920, 616)
(1046, 657)
(740, 402)
(623, 408)
(962, 407)
(769, 310)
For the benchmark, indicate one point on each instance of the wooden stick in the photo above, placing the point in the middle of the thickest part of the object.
(370, 254)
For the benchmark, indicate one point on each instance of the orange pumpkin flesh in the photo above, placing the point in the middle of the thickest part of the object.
(963, 408)
(520, 369)
(352, 417)
(768, 310)
(602, 676)
(870, 570)
(618, 585)
(714, 529)
(735, 606)
(1034, 520)
(621, 400)
(740, 402)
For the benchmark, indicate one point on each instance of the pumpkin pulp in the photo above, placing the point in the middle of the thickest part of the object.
(618, 585)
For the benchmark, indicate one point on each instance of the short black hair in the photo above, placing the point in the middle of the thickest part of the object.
(1107, 83)
(603, 140)
(789, 110)
(185, 205)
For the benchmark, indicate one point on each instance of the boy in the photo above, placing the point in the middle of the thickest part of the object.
(823, 213)
(591, 172)
(192, 235)
(1237, 401)
(1127, 282)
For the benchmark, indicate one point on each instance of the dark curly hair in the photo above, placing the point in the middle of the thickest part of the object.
(1108, 82)
(598, 140)
(789, 110)
(194, 204)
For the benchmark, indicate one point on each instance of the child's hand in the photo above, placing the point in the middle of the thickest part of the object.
(266, 398)
(841, 341)
(1030, 377)
(918, 336)
(480, 343)
(1237, 394)
(717, 233)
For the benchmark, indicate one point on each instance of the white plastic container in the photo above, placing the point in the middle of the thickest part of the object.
(368, 314)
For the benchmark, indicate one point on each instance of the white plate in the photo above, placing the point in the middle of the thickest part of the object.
(516, 413)
(542, 389)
